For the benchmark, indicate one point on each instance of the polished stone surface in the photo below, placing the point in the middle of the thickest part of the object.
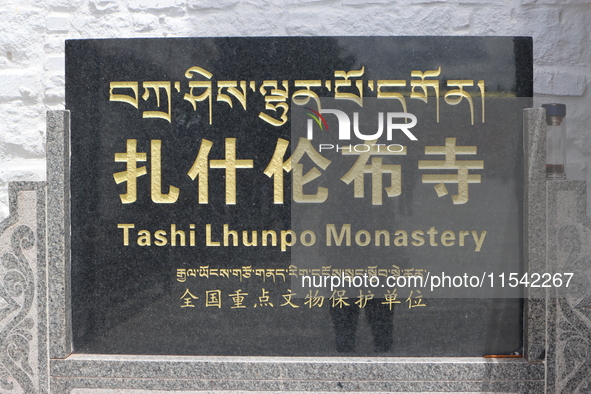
(136, 95)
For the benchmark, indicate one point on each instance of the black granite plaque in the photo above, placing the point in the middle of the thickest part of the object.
(207, 203)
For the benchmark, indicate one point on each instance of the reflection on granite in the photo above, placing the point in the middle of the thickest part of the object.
(170, 136)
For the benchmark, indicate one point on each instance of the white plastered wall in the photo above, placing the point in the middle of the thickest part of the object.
(32, 35)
